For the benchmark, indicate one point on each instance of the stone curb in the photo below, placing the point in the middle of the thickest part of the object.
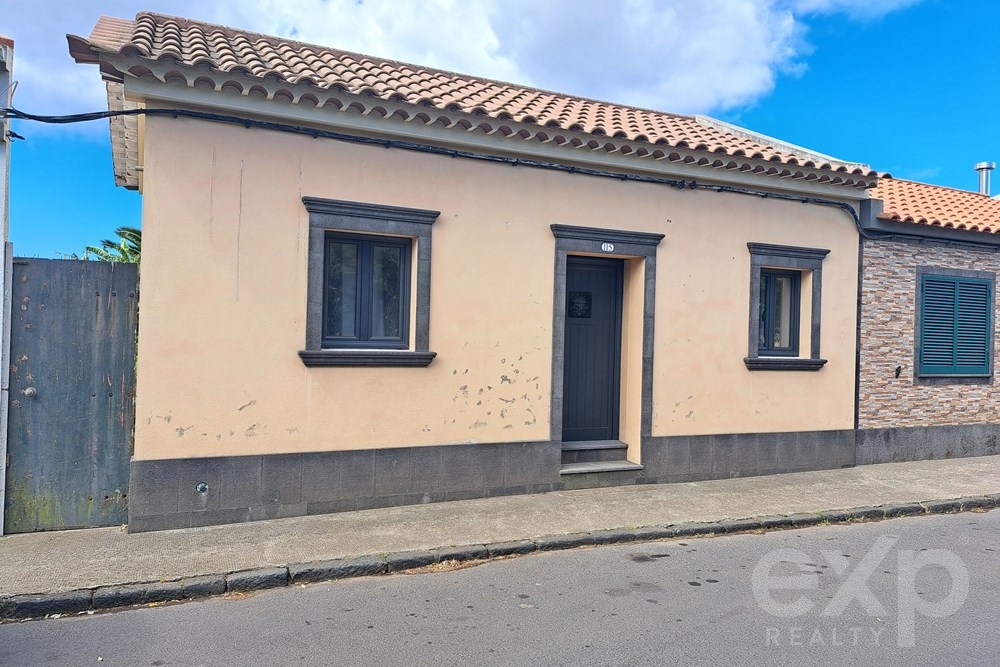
(22, 607)
(256, 580)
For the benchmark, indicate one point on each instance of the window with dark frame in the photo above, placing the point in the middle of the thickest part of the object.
(369, 284)
(779, 313)
(955, 337)
(366, 301)
(776, 283)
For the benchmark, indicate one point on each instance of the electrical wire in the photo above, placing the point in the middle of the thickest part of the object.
(680, 184)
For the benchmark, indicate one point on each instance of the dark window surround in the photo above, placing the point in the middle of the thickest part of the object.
(945, 379)
(770, 277)
(337, 215)
(573, 240)
(793, 258)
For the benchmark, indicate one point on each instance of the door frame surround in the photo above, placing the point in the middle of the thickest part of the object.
(612, 244)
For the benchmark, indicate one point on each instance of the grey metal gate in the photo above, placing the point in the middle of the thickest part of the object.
(71, 400)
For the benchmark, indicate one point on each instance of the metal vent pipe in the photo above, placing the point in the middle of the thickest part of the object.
(984, 169)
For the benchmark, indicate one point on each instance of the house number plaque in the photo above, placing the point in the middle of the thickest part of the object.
(608, 247)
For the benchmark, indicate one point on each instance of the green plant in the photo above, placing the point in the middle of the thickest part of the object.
(126, 249)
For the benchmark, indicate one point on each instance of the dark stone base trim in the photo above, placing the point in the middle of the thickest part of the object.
(164, 493)
(922, 443)
(184, 493)
(38, 606)
(689, 458)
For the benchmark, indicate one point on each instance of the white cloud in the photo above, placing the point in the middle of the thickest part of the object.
(856, 9)
(676, 55)
(447, 34)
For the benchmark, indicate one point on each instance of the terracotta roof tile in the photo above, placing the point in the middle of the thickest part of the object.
(923, 204)
(112, 32)
(228, 51)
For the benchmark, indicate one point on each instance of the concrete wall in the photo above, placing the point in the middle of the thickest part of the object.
(887, 341)
(222, 309)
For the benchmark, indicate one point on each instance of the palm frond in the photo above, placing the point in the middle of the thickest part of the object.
(126, 250)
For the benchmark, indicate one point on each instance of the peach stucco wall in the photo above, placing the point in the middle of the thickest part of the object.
(223, 300)
(701, 384)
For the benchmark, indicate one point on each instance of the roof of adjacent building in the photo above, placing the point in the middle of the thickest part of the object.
(937, 206)
(250, 63)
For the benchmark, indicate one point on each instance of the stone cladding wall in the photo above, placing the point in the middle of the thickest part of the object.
(887, 340)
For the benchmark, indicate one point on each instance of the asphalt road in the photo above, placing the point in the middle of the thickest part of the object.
(913, 591)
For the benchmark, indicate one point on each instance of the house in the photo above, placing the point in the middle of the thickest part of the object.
(367, 283)
(928, 324)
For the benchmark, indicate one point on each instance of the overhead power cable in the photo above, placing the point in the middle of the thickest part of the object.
(442, 150)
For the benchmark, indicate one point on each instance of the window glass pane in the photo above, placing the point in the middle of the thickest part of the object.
(783, 312)
(342, 289)
(386, 311)
(778, 320)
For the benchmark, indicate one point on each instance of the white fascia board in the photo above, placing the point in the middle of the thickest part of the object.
(152, 91)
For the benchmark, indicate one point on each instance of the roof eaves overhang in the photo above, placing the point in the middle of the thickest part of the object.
(85, 52)
(124, 129)
(893, 229)
(6, 53)
(82, 51)
(124, 138)
(171, 83)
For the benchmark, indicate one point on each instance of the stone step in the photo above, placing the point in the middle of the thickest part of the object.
(592, 451)
(598, 467)
(576, 445)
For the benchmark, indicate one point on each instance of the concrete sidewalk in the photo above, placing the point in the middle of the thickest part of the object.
(81, 569)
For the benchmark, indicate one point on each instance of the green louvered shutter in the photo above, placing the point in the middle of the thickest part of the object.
(955, 325)
(973, 331)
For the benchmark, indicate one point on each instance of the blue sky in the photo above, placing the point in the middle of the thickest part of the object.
(907, 86)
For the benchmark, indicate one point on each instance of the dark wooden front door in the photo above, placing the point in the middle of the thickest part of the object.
(592, 348)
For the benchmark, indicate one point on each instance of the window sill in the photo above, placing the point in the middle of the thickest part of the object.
(783, 364)
(366, 358)
(952, 379)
